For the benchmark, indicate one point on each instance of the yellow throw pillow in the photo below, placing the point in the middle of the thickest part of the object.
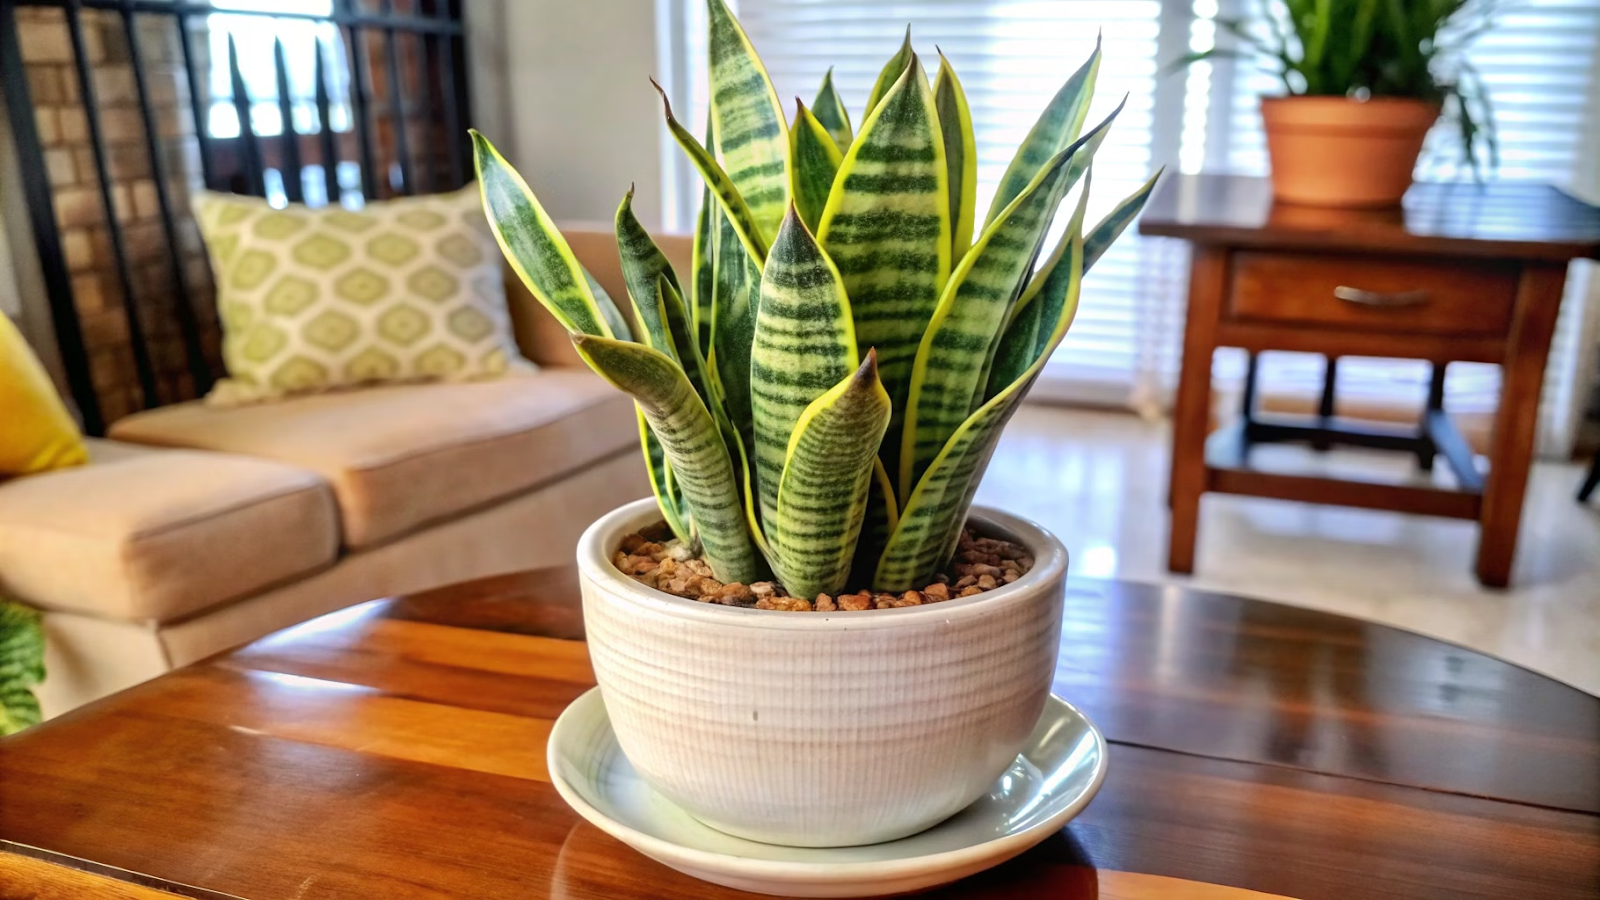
(36, 431)
(318, 299)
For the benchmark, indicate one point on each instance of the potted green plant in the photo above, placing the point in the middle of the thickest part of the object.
(818, 399)
(1365, 80)
(21, 666)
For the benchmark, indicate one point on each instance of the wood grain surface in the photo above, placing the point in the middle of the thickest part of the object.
(1500, 219)
(395, 750)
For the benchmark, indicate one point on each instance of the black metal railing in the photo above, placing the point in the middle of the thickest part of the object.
(433, 120)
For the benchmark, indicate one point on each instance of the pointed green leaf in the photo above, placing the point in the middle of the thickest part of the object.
(735, 295)
(752, 142)
(722, 188)
(891, 72)
(952, 364)
(642, 264)
(533, 245)
(701, 260)
(693, 446)
(1056, 127)
(1101, 237)
(816, 160)
(1017, 346)
(1052, 282)
(657, 300)
(668, 496)
(931, 522)
(670, 306)
(805, 344)
(704, 275)
(822, 500)
(1040, 307)
(887, 228)
(881, 518)
(831, 112)
(960, 154)
(613, 317)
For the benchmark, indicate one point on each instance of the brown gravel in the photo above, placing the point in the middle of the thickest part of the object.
(653, 558)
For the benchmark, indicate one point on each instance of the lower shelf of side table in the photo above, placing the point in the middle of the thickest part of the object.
(1229, 469)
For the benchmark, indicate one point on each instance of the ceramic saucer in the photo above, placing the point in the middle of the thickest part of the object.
(1055, 776)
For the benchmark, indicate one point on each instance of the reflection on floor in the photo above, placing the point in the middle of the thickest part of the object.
(1098, 479)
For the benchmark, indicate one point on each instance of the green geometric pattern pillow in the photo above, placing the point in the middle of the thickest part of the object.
(316, 299)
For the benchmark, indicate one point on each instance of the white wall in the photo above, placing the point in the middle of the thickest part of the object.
(22, 294)
(576, 113)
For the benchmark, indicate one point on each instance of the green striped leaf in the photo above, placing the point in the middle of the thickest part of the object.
(1017, 345)
(692, 444)
(805, 345)
(722, 188)
(960, 154)
(21, 666)
(891, 72)
(642, 264)
(815, 161)
(1050, 284)
(751, 140)
(668, 496)
(609, 312)
(1041, 306)
(887, 228)
(735, 294)
(533, 245)
(700, 289)
(1056, 127)
(931, 521)
(657, 299)
(831, 112)
(882, 516)
(822, 499)
(952, 364)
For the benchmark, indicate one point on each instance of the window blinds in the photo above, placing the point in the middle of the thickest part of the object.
(1540, 64)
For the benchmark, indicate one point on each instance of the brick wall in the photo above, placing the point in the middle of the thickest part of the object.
(71, 171)
(73, 175)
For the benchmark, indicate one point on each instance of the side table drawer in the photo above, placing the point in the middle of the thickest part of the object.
(1422, 296)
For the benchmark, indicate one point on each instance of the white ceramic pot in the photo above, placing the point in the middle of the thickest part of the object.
(822, 729)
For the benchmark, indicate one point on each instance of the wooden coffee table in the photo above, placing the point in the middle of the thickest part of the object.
(396, 750)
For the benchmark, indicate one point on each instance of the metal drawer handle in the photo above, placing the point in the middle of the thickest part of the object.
(1378, 298)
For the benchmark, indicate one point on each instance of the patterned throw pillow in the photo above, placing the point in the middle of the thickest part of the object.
(315, 299)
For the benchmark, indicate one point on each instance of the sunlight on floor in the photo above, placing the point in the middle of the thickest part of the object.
(1098, 479)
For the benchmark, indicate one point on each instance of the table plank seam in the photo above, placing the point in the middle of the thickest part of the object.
(1273, 764)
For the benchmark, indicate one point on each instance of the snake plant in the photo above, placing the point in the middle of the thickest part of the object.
(819, 396)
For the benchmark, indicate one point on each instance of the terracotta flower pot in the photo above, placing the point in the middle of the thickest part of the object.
(822, 729)
(1334, 151)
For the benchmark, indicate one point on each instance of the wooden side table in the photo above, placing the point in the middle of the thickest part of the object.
(1463, 273)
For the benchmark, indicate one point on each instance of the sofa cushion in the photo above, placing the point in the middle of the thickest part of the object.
(141, 534)
(402, 456)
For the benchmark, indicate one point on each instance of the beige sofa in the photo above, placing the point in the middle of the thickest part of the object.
(196, 529)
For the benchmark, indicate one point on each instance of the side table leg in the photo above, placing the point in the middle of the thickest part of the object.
(1517, 420)
(1191, 416)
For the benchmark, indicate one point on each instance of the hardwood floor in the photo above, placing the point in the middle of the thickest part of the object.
(1098, 479)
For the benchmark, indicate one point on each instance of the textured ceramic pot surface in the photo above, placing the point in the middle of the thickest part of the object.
(1334, 151)
(822, 729)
